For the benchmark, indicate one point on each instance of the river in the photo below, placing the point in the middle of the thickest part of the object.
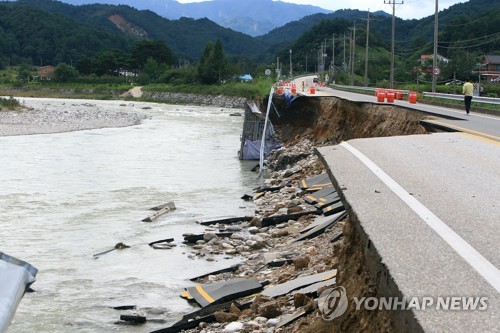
(67, 196)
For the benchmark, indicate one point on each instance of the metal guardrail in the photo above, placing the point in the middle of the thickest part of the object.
(476, 99)
(371, 89)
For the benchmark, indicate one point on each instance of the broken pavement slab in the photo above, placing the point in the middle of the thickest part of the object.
(273, 220)
(318, 195)
(228, 220)
(327, 201)
(193, 238)
(300, 282)
(320, 228)
(218, 292)
(332, 209)
(316, 182)
(288, 319)
(232, 268)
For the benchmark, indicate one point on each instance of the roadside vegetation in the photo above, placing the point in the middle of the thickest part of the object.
(9, 103)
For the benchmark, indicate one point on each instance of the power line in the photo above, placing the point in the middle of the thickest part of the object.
(469, 46)
(468, 40)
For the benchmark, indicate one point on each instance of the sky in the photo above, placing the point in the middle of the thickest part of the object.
(411, 9)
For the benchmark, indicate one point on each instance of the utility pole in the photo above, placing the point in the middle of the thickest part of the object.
(344, 64)
(366, 50)
(291, 72)
(434, 60)
(393, 3)
(278, 72)
(353, 52)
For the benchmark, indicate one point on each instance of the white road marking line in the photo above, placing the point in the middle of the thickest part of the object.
(485, 268)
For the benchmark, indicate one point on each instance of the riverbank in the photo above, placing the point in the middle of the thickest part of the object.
(38, 116)
(206, 96)
(42, 116)
(301, 128)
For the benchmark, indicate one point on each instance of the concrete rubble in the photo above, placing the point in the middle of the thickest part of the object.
(269, 254)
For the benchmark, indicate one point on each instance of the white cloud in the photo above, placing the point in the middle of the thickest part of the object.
(409, 10)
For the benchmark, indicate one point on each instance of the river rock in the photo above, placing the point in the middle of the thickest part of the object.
(270, 309)
(225, 317)
(253, 230)
(235, 326)
(301, 263)
(209, 236)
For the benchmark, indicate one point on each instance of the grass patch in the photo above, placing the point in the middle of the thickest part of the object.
(257, 89)
(9, 103)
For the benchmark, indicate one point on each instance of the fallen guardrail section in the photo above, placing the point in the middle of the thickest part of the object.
(15, 278)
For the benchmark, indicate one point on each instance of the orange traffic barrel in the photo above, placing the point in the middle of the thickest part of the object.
(412, 97)
(390, 96)
(312, 90)
(399, 95)
(381, 96)
(280, 90)
(378, 90)
(294, 89)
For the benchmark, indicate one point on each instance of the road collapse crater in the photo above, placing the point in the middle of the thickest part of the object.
(324, 121)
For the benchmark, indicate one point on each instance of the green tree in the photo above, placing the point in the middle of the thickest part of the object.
(144, 50)
(84, 65)
(152, 71)
(213, 65)
(24, 72)
(65, 73)
(109, 62)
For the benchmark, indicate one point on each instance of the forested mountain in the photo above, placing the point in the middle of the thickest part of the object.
(46, 31)
(47, 38)
(53, 30)
(252, 17)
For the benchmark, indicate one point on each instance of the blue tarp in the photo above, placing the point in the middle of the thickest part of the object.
(15, 278)
(289, 98)
(246, 77)
(251, 149)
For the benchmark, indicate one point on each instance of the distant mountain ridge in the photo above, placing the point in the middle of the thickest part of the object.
(252, 17)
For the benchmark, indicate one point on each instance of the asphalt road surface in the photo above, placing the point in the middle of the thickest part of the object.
(430, 206)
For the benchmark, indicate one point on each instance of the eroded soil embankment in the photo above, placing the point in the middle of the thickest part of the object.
(328, 121)
(331, 120)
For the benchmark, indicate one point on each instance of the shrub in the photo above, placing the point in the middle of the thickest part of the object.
(10, 103)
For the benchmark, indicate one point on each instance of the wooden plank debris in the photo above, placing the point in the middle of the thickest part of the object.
(170, 205)
(156, 215)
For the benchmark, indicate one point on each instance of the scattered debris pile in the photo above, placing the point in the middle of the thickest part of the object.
(288, 250)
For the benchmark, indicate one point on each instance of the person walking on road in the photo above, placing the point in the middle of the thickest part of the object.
(468, 91)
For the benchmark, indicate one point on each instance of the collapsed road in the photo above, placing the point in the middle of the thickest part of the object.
(379, 247)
